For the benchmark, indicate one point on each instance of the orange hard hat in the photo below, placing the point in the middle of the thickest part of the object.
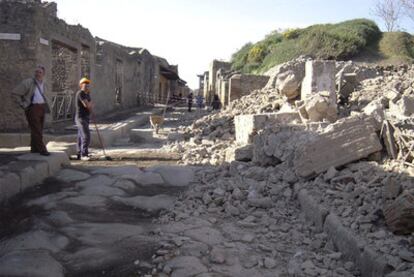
(84, 80)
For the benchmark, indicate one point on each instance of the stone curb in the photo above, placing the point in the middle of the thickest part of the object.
(27, 171)
(108, 134)
(353, 247)
(33, 168)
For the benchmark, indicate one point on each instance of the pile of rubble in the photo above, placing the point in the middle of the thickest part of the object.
(307, 132)
(242, 220)
(306, 92)
(373, 201)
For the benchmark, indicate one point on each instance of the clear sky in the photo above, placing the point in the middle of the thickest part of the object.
(191, 33)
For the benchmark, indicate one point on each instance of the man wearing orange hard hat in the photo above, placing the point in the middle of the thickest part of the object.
(83, 104)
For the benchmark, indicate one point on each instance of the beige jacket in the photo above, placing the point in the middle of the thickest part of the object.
(24, 93)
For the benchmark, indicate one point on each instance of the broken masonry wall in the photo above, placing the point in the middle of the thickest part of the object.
(205, 88)
(244, 84)
(147, 77)
(224, 93)
(19, 43)
(118, 79)
(211, 85)
(31, 34)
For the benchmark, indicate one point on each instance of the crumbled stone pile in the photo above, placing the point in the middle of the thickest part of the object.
(327, 91)
(337, 135)
(242, 220)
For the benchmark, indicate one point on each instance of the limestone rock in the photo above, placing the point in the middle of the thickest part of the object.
(186, 266)
(148, 203)
(342, 143)
(288, 84)
(243, 154)
(319, 107)
(177, 176)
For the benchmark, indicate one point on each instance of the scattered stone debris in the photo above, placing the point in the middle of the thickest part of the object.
(337, 132)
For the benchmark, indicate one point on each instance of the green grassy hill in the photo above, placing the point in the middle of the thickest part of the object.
(358, 39)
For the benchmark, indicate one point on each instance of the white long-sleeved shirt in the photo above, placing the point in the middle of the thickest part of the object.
(38, 98)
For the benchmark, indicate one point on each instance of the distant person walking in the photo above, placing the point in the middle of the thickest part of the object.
(190, 101)
(83, 111)
(199, 101)
(216, 105)
(30, 95)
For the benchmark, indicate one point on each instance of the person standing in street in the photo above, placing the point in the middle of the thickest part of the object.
(199, 101)
(216, 104)
(83, 106)
(30, 95)
(190, 101)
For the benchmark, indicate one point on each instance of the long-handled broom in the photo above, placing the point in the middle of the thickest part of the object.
(108, 158)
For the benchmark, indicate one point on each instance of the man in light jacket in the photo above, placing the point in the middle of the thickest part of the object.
(30, 95)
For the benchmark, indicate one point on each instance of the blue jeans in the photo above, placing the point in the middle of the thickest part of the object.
(84, 136)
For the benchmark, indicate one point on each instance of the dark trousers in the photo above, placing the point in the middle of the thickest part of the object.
(189, 106)
(84, 136)
(35, 116)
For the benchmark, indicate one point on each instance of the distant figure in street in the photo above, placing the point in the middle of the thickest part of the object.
(84, 106)
(31, 98)
(190, 101)
(216, 105)
(199, 101)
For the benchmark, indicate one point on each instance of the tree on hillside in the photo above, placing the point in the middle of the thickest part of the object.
(408, 6)
(389, 11)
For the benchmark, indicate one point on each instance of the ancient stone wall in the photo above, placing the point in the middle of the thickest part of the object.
(212, 77)
(117, 78)
(31, 34)
(19, 43)
(241, 84)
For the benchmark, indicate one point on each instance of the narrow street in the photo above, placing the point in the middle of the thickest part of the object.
(142, 215)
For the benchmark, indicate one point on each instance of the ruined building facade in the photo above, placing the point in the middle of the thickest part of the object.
(122, 77)
(227, 84)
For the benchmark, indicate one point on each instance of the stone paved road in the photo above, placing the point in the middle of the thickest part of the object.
(137, 218)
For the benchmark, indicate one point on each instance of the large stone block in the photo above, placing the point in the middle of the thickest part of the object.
(399, 215)
(288, 84)
(320, 76)
(349, 140)
(296, 66)
(54, 161)
(319, 107)
(177, 176)
(27, 177)
(41, 169)
(247, 126)
(9, 186)
(242, 154)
